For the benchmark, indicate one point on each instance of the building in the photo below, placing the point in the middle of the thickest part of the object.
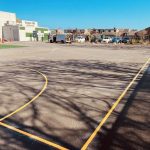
(75, 31)
(6, 19)
(10, 33)
(147, 35)
(13, 29)
(144, 34)
(30, 31)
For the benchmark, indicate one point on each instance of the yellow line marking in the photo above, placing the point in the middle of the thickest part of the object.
(34, 98)
(21, 108)
(90, 139)
(33, 136)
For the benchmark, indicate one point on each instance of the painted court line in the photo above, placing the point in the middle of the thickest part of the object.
(33, 136)
(98, 129)
(93, 134)
(21, 108)
(33, 99)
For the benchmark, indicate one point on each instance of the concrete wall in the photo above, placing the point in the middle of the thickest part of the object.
(6, 18)
(10, 33)
(0, 33)
(22, 35)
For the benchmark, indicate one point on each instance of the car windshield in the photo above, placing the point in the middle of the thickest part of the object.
(126, 38)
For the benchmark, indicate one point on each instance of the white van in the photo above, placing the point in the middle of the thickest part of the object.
(107, 40)
(80, 39)
(63, 38)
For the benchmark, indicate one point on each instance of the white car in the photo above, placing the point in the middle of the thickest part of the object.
(107, 40)
(80, 39)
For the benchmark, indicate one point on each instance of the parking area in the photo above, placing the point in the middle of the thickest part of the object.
(83, 84)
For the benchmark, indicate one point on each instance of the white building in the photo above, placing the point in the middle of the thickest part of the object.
(12, 29)
(6, 19)
(27, 28)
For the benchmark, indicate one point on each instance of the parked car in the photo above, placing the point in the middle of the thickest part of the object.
(80, 39)
(116, 40)
(99, 39)
(107, 39)
(63, 38)
(125, 40)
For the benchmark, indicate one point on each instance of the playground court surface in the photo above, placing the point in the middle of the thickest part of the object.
(74, 87)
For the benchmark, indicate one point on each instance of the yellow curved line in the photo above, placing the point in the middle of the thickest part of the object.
(34, 98)
(90, 139)
(42, 140)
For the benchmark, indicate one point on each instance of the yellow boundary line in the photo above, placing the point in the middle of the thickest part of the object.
(90, 139)
(34, 98)
(93, 134)
(33, 136)
(21, 108)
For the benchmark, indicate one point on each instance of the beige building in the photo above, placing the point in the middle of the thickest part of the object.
(12, 29)
(6, 19)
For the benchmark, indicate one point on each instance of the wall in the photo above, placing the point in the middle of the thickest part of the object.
(10, 33)
(6, 18)
(0, 33)
(22, 35)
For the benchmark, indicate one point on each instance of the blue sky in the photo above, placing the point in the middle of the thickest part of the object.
(82, 13)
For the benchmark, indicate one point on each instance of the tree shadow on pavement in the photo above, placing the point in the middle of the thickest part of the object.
(131, 131)
(78, 96)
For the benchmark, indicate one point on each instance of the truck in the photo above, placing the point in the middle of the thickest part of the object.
(63, 38)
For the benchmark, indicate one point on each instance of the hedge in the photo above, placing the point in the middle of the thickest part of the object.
(45, 37)
(41, 29)
(22, 28)
(29, 34)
